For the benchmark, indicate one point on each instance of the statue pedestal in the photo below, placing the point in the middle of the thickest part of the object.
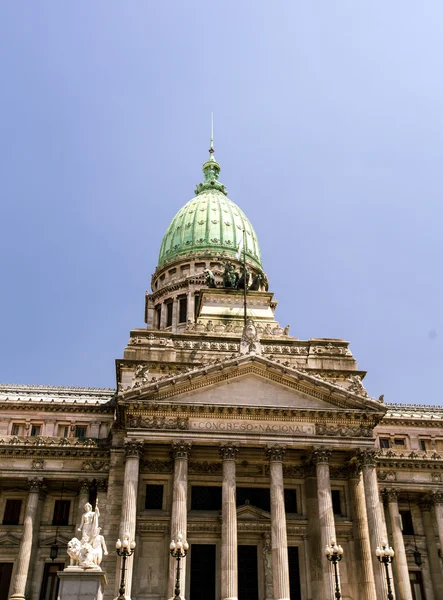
(81, 584)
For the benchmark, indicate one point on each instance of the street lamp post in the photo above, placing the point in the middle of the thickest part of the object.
(385, 555)
(334, 554)
(124, 549)
(178, 550)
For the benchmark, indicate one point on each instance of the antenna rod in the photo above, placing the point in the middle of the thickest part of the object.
(245, 284)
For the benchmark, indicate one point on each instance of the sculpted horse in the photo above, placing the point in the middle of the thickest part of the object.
(259, 281)
(230, 277)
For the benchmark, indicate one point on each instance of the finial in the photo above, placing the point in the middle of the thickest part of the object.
(211, 144)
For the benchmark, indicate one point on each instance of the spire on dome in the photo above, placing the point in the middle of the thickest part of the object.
(211, 169)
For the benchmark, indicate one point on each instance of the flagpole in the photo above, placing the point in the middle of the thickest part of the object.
(245, 286)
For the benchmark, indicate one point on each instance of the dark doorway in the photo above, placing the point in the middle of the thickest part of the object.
(51, 581)
(294, 573)
(5, 580)
(202, 572)
(247, 573)
(416, 579)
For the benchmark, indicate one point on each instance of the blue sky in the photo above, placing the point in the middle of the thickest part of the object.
(329, 131)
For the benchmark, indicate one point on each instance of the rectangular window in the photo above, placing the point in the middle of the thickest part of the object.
(61, 512)
(154, 497)
(406, 522)
(158, 315)
(182, 310)
(206, 497)
(17, 429)
(80, 431)
(399, 442)
(12, 512)
(35, 430)
(290, 500)
(168, 314)
(425, 445)
(384, 442)
(63, 430)
(259, 497)
(336, 502)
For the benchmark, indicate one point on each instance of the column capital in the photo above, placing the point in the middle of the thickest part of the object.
(426, 503)
(35, 485)
(228, 451)
(181, 449)
(437, 497)
(321, 456)
(353, 469)
(133, 448)
(390, 495)
(275, 453)
(84, 485)
(367, 458)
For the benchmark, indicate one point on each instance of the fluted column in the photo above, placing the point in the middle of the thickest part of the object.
(320, 458)
(377, 527)
(280, 566)
(24, 553)
(84, 485)
(180, 452)
(133, 450)
(400, 563)
(365, 582)
(434, 561)
(437, 498)
(229, 579)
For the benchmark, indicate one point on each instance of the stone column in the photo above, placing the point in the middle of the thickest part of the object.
(191, 307)
(162, 315)
(376, 524)
(133, 450)
(434, 560)
(365, 582)
(229, 585)
(320, 458)
(84, 485)
(174, 314)
(267, 566)
(437, 498)
(280, 566)
(24, 553)
(400, 562)
(180, 452)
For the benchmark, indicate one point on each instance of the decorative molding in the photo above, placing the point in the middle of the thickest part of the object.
(205, 467)
(228, 451)
(437, 497)
(84, 485)
(156, 422)
(95, 465)
(133, 448)
(102, 485)
(275, 453)
(38, 464)
(367, 458)
(386, 475)
(343, 430)
(181, 450)
(321, 456)
(157, 466)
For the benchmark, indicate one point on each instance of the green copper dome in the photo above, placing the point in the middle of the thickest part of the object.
(209, 222)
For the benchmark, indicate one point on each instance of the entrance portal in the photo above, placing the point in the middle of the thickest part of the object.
(202, 572)
(294, 573)
(247, 573)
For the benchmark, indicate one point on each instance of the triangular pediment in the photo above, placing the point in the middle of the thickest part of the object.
(247, 512)
(252, 381)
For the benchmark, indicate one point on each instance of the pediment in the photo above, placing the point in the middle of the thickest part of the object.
(252, 381)
(9, 540)
(247, 512)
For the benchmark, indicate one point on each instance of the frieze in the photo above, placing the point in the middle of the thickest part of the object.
(157, 466)
(49, 442)
(343, 430)
(143, 526)
(95, 465)
(66, 453)
(386, 475)
(38, 464)
(157, 422)
(251, 426)
(205, 467)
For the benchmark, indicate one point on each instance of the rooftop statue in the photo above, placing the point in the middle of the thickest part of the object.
(87, 552)
(230, 277)
(210, 279)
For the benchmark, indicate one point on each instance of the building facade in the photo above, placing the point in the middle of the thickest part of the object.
(257, 446)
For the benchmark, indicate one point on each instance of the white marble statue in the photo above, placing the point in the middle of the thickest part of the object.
(87, 553)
